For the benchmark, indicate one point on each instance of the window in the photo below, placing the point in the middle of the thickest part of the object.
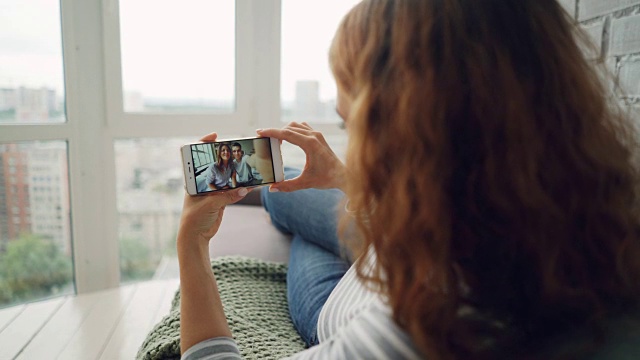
(149, 186)
(31, 74)
(37, 230)
(35, 260)
(182, 59)
(202, 157)
(308, 91)
(115, 113)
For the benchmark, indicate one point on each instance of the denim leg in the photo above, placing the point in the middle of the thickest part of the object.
(312, 275)
(310, 213)
(316, 259)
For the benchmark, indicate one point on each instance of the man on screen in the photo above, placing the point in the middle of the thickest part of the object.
(244, 176)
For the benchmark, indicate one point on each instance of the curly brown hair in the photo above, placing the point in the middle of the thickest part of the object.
(508, 215)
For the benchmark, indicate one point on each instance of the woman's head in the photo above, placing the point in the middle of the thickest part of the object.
(223, 153)
(511, 173)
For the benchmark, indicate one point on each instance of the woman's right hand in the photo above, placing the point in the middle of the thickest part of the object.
(322, 170)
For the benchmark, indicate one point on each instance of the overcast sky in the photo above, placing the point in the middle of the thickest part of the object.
(170, 51)
(30, 45)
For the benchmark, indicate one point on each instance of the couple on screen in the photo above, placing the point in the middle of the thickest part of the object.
(231, 169)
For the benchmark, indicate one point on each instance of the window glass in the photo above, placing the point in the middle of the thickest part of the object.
(31, 72)
(35, 230)
(149, 185)
(150, 193)
(307, 85)
(178, 56)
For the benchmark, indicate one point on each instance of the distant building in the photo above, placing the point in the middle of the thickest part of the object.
(150, 219)
(15, 217)
(34, 193)
(49, 194)
(8, 99)
(133, 101)
(149, 191)
(30, 104)
(307, 106)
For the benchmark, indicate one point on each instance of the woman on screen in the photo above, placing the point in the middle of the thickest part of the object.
(221, 174)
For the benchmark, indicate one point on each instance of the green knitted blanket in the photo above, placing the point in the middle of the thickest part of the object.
(254, 297)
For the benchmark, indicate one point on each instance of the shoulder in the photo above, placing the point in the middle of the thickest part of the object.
(243, 161)
(218, 348)
(372, 334)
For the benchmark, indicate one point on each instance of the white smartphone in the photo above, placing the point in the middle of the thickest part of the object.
(231, 163)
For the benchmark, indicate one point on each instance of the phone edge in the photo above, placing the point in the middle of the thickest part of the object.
(189, 186)
(276, 158)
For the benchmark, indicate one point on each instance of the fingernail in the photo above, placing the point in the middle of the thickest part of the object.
(243, 192)
(273, 189)
(258, 130)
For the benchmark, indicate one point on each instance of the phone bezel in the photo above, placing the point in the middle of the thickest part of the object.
(188, 169)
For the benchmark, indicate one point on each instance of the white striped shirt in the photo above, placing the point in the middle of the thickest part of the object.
(354, 323)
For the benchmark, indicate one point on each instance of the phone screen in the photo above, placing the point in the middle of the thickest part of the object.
(230, 164)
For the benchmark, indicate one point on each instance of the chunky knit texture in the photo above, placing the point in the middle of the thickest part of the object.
(254, 297)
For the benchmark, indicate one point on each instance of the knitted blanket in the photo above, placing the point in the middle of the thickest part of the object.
(254, 297)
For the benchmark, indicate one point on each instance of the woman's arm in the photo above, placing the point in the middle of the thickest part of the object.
(202, 316)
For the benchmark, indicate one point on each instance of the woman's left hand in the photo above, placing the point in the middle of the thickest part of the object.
(201, 215)
(322, 169)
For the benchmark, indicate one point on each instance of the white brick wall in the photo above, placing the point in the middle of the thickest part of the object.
(595, 32)
(614, 26)
(588, 9)
(630, 77)
(625, 36)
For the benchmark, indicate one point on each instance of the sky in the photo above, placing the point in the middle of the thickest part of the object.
(169, 51)
(30, 44)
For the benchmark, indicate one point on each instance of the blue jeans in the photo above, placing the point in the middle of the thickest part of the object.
(317, 262)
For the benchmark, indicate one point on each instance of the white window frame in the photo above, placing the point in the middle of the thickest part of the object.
(255, 25)
(95, 118)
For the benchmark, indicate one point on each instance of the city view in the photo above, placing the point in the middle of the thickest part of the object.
(35, 233)
(36, 245)
(34, 190)
(31, 105)
(306, 104)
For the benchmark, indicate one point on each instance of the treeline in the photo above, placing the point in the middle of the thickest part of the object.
(33, 268)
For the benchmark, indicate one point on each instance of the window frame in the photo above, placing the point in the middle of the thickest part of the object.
(96, 118)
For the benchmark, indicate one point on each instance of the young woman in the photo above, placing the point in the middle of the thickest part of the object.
(506, 223)
(221, 174)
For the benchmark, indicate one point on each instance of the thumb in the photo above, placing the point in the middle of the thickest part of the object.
(287, 185)
(230, 197)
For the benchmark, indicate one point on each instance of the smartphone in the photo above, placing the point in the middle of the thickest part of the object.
(231, 163)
